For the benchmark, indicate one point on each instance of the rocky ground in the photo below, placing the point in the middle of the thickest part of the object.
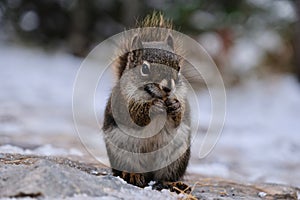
(36, 177)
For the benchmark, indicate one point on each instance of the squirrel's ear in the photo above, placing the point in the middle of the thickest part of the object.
(136, 43)
(170, 42)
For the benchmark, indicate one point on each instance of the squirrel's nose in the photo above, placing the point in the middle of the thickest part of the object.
(166, 89)
(167, 85)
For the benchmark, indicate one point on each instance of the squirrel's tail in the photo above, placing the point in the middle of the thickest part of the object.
(156, 19)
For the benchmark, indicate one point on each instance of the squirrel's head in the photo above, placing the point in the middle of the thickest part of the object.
(151, 70)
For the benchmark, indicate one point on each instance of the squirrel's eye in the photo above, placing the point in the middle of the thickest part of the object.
(145, 69)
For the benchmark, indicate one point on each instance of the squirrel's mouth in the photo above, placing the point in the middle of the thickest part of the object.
(157, 91)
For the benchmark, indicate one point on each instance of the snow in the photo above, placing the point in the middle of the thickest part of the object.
(260, 140)
(262, 194)
(34, 80)
(121, 180)
(44, 150)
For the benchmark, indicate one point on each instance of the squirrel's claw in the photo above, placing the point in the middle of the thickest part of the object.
(174, 110)
(173, 106)
(134, 179)
(158, 106)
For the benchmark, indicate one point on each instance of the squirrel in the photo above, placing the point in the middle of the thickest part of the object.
(149, 91)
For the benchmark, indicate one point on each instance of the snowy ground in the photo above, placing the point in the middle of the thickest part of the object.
(260, 140)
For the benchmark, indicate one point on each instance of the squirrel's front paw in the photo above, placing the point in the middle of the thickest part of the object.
(173, 106)
(174, 109)
(158, 106)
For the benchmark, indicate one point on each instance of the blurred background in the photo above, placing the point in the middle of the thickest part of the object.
(242, 35)
(255, 44)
